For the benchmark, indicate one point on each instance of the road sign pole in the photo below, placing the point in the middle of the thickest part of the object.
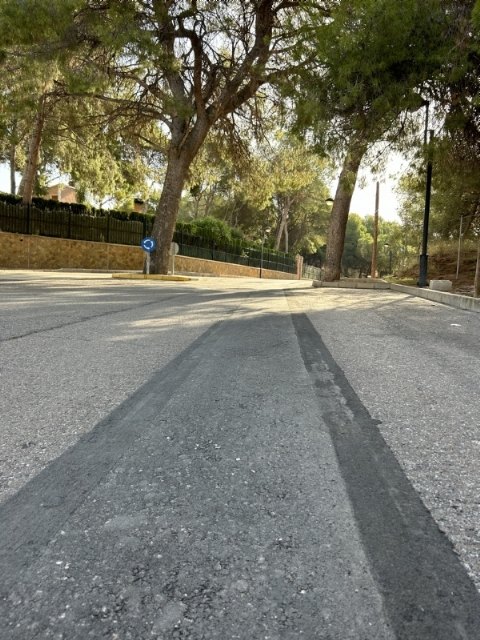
(148, 245)
(174, 248)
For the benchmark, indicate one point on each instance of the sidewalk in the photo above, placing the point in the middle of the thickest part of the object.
(450, 299)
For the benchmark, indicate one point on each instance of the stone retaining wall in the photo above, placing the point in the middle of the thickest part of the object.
(18, 251)
(184, 264)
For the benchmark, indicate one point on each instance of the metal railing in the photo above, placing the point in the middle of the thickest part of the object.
(234, 252)
(64, 223)
(68, 225)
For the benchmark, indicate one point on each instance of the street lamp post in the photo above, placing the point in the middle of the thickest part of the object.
(373, 270)
(422, 279)
(459, 252)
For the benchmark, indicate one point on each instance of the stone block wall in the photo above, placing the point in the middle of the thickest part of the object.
(185, 264)
(19, 251)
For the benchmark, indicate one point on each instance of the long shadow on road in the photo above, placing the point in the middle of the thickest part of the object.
(211, 505)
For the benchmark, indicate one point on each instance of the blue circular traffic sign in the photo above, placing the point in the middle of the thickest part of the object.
(148, 244)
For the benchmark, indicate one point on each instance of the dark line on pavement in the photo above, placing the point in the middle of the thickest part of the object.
(86, 319)
(427, 592)
(31, 517)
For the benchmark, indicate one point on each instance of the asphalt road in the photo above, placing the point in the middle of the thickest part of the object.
(236, 459)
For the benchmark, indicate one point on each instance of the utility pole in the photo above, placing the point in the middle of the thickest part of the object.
(375, 233)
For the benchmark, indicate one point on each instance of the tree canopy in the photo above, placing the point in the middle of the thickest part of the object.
(373, 60)
(186, 66)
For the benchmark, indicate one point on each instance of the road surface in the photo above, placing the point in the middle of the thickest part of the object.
(232, 458)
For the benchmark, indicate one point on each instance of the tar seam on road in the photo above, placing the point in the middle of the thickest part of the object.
(428, 594)
(84, 319)
(32, 516)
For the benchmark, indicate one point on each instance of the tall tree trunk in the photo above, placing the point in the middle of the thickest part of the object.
(28, 178)
(279, 235)
(283, 226)
(341, 208)
(196, 207)
(181, 154)
(167, 211)
(13, 161)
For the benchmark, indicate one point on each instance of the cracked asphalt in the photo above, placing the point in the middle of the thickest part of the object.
(231, 458)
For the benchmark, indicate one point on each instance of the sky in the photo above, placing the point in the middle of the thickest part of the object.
(363, 201)
(5, 179)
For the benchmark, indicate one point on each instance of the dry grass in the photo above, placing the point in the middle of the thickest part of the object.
(442, 265)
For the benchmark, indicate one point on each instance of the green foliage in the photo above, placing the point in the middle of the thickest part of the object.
(455, 193)
(251, 191)
(212, 228)
(10, 198)
(28, 21)
(372, 57)
(358, 248)
(456, 157)
(211, 231)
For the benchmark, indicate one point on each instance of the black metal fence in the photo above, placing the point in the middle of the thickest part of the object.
(69, 225)
(235, 252)
(66, 224)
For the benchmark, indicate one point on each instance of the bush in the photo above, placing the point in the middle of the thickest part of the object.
(9, 198)
(237, 234)
(212, 229)
(184, 227)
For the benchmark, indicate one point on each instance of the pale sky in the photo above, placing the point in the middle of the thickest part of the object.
(5, 179)
(363, 201)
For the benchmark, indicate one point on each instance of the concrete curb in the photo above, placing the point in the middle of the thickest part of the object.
(354, 283)
(450, 299)
(154, 276)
